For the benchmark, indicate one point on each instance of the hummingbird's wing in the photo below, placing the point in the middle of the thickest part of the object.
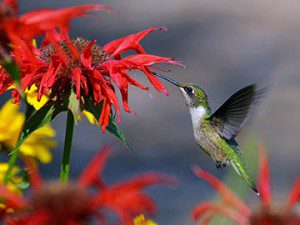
(236, 111)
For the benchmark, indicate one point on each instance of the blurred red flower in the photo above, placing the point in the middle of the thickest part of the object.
(90, 198)
(232, 207)
(16, 29)
(62, 65)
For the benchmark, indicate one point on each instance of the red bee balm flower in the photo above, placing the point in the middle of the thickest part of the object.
(16, 28)
(234, 208)
(62, 65)
(18, 32)
(78, 203)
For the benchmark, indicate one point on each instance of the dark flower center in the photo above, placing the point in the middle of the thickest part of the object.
(63, 202)
(98, 54)
(6, 11)
(274, 216)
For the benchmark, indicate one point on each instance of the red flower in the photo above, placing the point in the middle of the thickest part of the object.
(37, 22)
(232, 207)
(8, 10)
(62, 65)
(18, 32)
(5, 82)
(89, 198)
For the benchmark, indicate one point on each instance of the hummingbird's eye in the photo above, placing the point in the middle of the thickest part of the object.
(189, 89)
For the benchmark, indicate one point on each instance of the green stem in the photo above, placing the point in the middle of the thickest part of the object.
(11, 163)
(65, 166)
(14, 155)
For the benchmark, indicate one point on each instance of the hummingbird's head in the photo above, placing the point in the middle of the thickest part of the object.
(193, 94)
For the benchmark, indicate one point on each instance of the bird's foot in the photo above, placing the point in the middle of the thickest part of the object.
(220, 165)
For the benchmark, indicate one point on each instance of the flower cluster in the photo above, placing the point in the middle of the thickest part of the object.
(89, 198)
(67, 74)
(232, 207)
(62, 65)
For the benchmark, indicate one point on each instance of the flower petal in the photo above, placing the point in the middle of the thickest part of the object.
(37, 22)
(208, 207)
(105, 114)
(124, 94)
(155, 81)
(94, 169)
(86, 55)
(127, 199)
(48, 80)
(294, 196)
(46, 19)
(145, 180)
(264, 177)
(227, 195)
(147, 60)
(131, 41)
(111, 95)
(11, 199)
(5, 81)
(32, 167)
(77, 78)
(13, 4)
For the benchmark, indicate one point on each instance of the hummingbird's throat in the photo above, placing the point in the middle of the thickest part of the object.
(197, 115)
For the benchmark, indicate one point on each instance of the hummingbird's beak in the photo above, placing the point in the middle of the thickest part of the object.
(168, 79)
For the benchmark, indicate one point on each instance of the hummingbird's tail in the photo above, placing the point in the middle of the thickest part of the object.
(239, 165)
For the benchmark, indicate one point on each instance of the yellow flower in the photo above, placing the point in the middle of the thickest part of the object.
(31, 96)
(38, 143)
(89, 116)
(141, 220)
(15, 179)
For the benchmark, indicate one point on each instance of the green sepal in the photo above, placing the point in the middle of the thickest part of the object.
(74, 106)
(112, 128)
(23, 185)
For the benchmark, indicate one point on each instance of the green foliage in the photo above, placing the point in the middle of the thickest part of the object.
(14, 73)
(112, 128)
(37, 120)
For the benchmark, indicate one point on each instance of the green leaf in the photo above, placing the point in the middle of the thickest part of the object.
(37, 120)
(14, 72)
(74, 106)
(112, 128)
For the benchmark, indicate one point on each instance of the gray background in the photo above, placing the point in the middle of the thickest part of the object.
(225, 45)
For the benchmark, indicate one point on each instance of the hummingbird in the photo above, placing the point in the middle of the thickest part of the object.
(215, 132)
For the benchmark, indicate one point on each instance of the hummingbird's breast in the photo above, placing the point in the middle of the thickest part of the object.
(210, 141)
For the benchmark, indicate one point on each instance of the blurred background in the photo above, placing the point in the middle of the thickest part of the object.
(225, 45)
